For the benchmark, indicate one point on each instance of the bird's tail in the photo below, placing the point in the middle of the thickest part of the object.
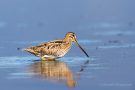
(22, 49)
(30, 50)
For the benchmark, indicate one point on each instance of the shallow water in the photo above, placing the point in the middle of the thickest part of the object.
(105, 29)
(111, 66)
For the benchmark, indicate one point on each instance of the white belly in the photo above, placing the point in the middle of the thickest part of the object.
(50, 57)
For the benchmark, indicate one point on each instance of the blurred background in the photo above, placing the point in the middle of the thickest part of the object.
(43, 19)
(105, 28)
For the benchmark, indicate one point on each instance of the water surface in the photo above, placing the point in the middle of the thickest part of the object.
(105, 29)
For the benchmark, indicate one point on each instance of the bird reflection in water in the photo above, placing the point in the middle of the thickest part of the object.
(53, 70)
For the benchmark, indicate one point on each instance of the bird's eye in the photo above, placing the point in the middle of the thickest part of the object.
(73, 35)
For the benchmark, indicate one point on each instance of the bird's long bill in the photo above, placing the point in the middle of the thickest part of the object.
(81, 48)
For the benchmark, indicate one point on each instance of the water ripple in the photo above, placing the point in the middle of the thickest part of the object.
(118, 46)
(20, 60)
(108, 33)
(37, 42)
(15, 61)
(101, 25)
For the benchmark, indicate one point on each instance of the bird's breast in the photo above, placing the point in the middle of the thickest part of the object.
(63, 51)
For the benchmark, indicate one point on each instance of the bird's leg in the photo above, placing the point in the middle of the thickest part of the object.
(43, 58)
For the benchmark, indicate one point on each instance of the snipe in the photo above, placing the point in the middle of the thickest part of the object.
(55, 49)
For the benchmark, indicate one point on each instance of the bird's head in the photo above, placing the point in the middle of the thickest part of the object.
(70, 36)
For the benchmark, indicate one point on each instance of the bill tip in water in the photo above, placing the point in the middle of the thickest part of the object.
(87, 55)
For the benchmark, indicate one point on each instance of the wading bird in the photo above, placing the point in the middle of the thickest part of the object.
(54, 49)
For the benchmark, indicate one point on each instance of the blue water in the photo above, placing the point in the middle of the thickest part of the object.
(105, 29)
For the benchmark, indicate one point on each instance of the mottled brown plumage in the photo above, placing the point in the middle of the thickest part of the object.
(54, 49)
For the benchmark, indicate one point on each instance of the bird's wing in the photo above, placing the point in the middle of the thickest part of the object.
(49, 48)
(53, 45)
